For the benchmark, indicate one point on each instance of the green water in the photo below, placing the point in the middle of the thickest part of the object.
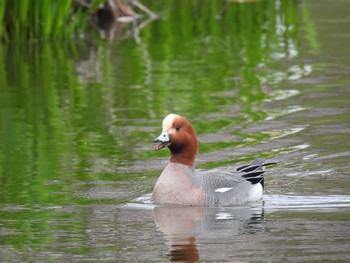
(77, 119)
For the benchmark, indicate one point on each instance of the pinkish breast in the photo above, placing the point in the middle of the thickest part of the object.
(176, 186)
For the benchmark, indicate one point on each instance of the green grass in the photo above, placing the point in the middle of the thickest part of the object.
(42, 19)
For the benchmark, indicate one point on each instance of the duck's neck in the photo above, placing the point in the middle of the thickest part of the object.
(185, 155)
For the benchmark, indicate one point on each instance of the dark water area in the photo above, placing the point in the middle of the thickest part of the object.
(265, 78)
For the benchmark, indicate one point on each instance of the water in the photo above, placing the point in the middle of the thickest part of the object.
(77, 120)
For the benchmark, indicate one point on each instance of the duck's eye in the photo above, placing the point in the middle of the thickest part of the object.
(178, 127)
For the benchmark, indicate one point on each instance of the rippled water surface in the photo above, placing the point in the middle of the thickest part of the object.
(266, 78)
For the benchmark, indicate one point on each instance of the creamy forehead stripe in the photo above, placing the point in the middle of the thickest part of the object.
(168, 122)
(223, 189)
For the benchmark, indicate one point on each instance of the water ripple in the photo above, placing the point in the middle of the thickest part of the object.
(292, 202)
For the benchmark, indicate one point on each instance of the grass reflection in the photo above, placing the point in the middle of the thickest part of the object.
(76, 111)
(65, 107)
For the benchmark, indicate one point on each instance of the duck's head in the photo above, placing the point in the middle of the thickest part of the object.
(179, 136)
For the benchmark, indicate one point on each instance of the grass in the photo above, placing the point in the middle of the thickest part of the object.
(42, 19)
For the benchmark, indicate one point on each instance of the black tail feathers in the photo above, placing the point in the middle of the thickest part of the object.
(254, 172)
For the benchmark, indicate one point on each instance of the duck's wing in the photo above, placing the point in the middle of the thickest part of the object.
(225, 188)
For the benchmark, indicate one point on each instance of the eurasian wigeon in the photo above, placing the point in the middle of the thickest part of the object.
(181, 184)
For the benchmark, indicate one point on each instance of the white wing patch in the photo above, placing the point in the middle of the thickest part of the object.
(223, 189)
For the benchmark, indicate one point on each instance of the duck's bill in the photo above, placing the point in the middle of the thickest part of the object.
(163, 139)
(162, 145)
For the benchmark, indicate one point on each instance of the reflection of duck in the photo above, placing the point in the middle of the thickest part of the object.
(181, 184)
(185, 252)
(177, 225)
(183, 226)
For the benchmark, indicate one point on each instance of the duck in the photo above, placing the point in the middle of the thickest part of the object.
(181, 184)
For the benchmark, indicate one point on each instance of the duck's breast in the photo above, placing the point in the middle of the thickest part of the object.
(176, 185)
